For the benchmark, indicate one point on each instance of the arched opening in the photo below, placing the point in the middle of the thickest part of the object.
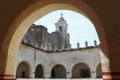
(23, 70)
(81, 70)
(99, 71)
(60, 28)
(58, 71)
(39, 72)
(21, 24)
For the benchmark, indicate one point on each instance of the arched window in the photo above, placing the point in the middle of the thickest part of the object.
(23, 70)
(58, 71)
(60, 27)
(81, 70)
(39, 72)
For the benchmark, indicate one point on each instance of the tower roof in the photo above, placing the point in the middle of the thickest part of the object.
(62, 18)
(61, 22)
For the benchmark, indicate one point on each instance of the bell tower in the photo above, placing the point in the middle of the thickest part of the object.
(61, 24)
(61, 27)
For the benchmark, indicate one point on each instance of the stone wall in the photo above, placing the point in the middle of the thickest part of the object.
(68, 59)
(38, 36)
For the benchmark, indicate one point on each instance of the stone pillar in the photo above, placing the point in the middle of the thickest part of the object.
(47, 75)
(32, 75)
(93, 74)
(7, 66)
(105, 62)
(68, 75)
(105, 66)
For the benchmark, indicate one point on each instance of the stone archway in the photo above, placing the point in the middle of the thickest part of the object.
(81, 70)
(21, 24)
(23, 70)
(58, 71)
(39, 73)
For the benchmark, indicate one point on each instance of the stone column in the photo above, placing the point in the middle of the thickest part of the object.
(7, 66)
(68, 75)
(47, 75)
(32, 75)
(105, 62)
(93, 74)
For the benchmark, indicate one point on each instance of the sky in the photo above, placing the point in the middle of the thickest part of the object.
(80, 28)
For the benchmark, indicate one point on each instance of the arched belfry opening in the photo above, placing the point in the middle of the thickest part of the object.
(39, 72)
(81, 70)
(58, 71)
(60, 28)
(23, 70)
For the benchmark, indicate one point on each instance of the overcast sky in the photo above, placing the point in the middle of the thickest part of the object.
(79, 27)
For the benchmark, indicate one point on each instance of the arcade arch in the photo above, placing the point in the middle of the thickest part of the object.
(39, 72)
(81, 70)
(58, 71)
(21, 24)
(23, 70)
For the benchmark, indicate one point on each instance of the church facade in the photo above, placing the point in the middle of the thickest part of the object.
(49, 55)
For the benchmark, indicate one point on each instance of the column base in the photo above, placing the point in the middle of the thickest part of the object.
(107, 76)
(7, 77)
